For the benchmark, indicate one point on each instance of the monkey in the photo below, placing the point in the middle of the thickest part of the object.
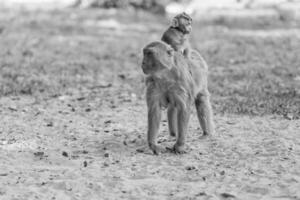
(175, 83)
(177, 35)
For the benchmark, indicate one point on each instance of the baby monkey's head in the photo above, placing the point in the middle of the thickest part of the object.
(182, 22)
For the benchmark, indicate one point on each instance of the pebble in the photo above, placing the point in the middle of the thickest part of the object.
(65, 154)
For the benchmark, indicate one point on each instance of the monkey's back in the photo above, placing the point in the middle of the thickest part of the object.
(190, 74)
(174, 38)
(181, 82)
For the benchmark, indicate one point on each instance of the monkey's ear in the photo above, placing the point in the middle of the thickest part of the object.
(174, 23)
(169, 60)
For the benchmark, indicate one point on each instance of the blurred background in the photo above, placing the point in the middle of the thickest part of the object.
(58, 48)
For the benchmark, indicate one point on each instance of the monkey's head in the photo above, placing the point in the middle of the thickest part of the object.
(157, 56)
(182, 22)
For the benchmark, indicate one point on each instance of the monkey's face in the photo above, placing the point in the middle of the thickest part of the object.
(149, 58)
(185, 25)
(183, 22)
(156, 57)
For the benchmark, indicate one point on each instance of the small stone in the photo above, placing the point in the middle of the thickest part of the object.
(39, 153)
(28, 53)
(190, 168)
(133, 141)
(80, 98)
(202, 194)
(50, 124)
(106, 155)
(122, 76)
(12, 108)
(105, 164)
(65, 154)
(227, 195)
(85, 152)
(140, 150)
(74, 156)
(84, 164)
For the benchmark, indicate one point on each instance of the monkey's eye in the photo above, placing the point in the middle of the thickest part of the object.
(170, 52)
(188, 22)
(148, 53)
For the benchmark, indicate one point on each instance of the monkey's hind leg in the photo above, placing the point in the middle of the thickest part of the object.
(172, 120)
(205, 114)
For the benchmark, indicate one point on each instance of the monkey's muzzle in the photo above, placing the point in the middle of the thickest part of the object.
(145, 68)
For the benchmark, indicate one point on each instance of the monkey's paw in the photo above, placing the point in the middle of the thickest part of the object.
(172, 134)
(157, 149)
(178, 149)
(204, 136)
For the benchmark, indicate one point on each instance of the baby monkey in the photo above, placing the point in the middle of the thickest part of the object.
(177, 35)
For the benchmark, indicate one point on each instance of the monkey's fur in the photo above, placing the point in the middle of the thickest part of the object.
(175, 83)
(177, 35)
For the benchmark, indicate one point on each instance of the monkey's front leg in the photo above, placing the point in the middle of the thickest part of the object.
(172, 120)
(183, 117)
(154, 116)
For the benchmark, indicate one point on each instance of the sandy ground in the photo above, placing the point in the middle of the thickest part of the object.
(75, 128)
(64, 149)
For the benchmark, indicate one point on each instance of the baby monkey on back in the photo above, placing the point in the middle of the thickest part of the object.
(177, 35)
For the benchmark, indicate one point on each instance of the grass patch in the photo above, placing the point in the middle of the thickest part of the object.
(50, 54)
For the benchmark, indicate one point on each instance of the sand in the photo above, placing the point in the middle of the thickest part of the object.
(64, 149)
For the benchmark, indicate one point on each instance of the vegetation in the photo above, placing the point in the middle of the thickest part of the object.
(62, 53)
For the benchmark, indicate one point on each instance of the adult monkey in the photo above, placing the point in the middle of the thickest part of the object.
(175, 82)
(177, 35)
